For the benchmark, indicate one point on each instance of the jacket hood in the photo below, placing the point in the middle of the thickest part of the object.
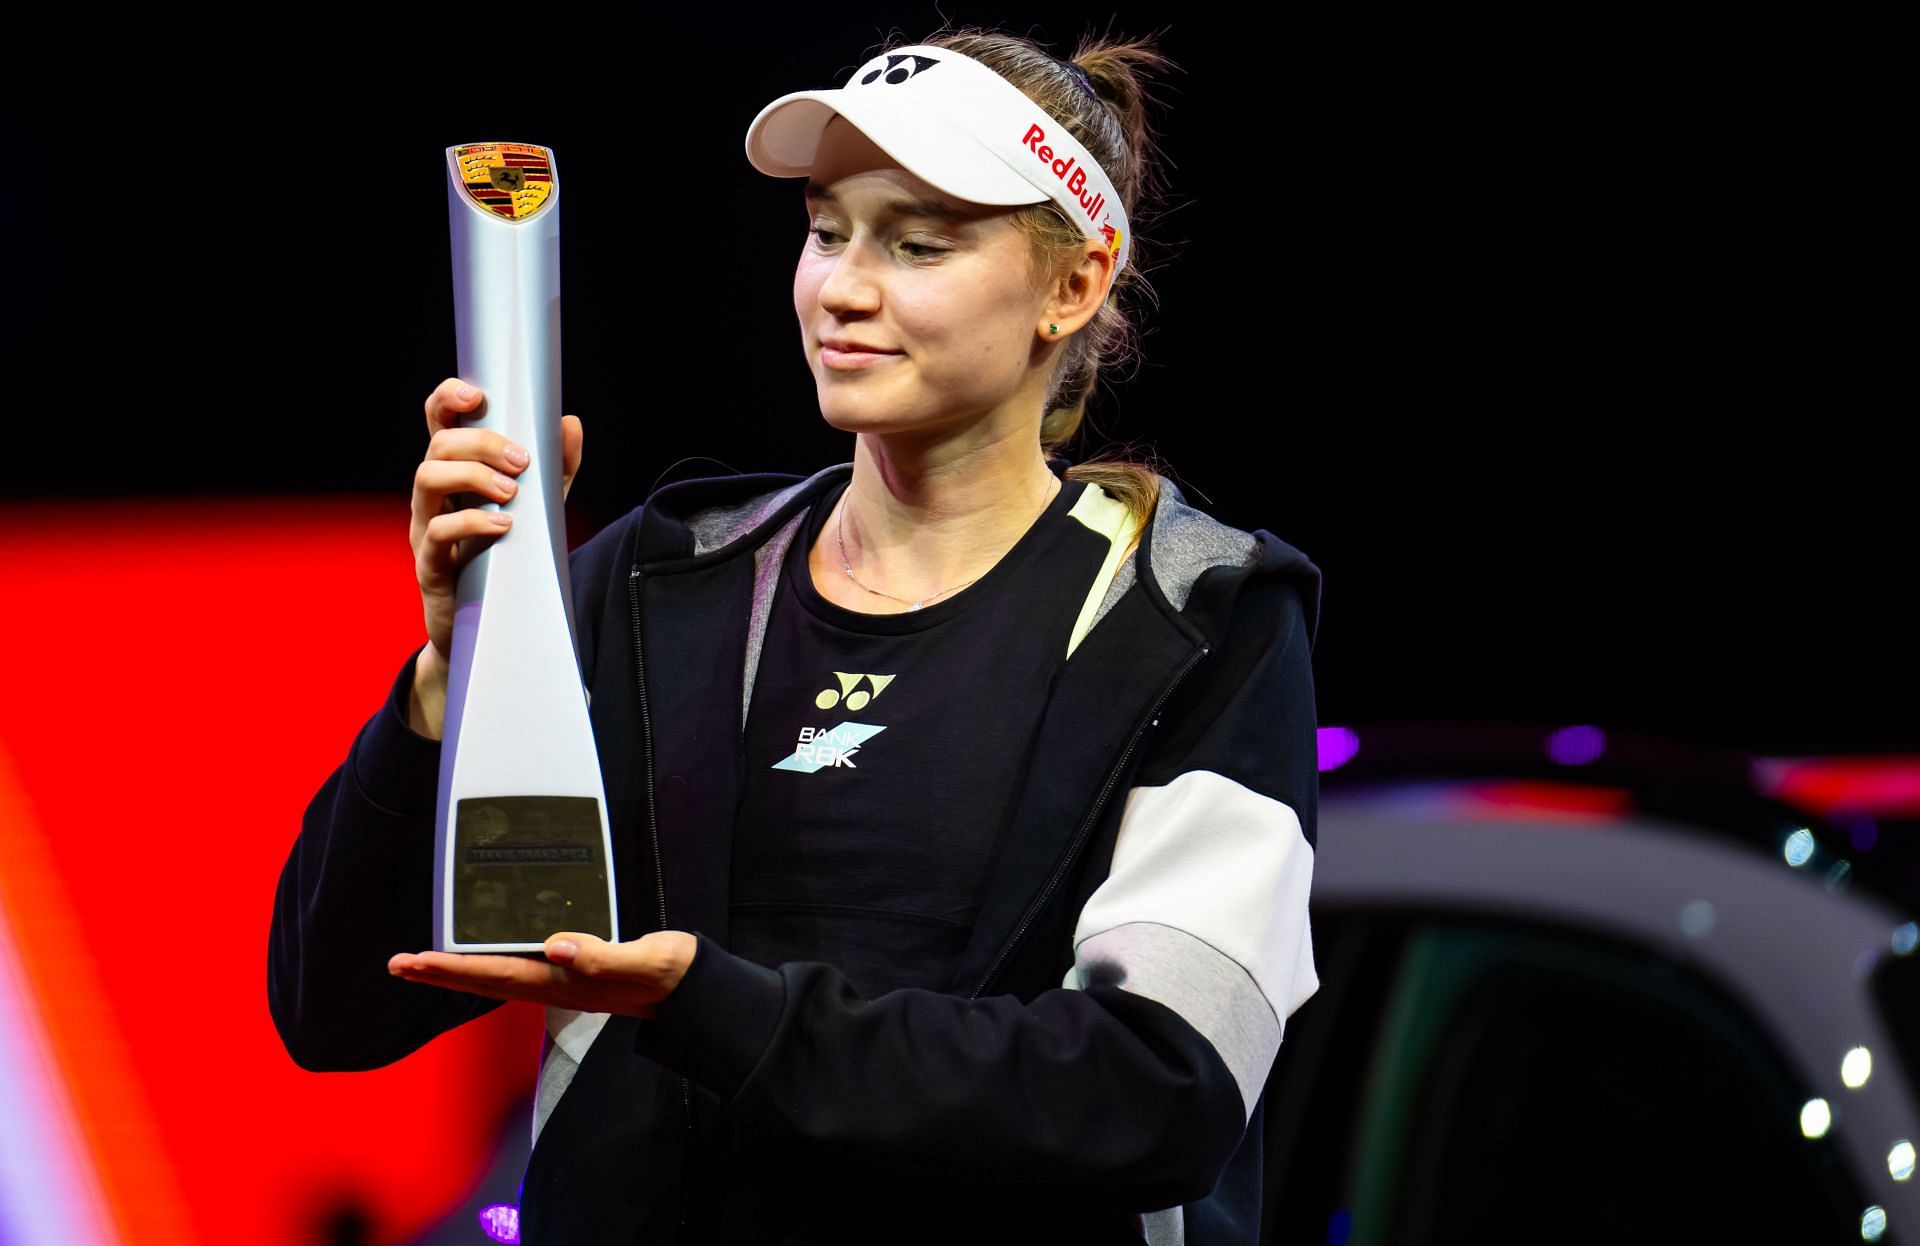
(691, 523)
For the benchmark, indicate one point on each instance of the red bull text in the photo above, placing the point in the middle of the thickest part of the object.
(1064, 169)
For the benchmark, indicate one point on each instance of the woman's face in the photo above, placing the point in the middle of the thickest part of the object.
(938, 289)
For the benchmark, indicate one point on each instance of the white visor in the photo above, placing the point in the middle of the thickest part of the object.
(957, 125)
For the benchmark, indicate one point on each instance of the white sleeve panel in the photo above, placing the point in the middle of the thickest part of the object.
(1205, 910)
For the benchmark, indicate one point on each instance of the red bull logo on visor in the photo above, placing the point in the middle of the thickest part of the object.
(1065, 168)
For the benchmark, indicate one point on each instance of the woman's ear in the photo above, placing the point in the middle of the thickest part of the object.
(1078, 293)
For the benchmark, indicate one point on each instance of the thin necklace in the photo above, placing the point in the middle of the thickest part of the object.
(840, 530)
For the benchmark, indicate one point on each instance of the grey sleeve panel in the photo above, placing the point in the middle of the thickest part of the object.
(569, 1033)
(556, 1074)
(1166, 1228)
(767, 561)
(1187, 541)
(1212, 992)
(1122, 581)
(722, 525)
(1204, 909)
(719, 526)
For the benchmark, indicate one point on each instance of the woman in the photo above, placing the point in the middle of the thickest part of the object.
(969, 804)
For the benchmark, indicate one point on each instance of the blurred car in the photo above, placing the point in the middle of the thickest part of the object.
(1628, 1006)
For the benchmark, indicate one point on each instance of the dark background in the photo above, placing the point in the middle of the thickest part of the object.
(1551, 332)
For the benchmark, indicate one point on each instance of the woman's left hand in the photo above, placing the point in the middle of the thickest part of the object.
(581, 972)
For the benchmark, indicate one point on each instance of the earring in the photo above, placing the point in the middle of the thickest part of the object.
(1053, 328)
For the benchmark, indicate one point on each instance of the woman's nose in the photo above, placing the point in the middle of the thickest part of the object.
(851, 285)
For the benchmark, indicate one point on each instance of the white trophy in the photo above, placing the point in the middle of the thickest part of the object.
(523, 847)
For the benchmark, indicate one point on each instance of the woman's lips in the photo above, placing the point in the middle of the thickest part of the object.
(852, 360)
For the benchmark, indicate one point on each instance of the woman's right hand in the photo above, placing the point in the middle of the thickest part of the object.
(463, 469)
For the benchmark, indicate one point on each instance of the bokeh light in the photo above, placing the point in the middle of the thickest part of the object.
(1576, 746)
(1697, 918)
(1799, 847)
(501, 1222)
(1337, 745)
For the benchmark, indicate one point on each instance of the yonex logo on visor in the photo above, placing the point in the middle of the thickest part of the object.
(899, 68)
(964, 130)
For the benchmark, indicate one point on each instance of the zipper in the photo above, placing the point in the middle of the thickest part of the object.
(1152, 718)
(659, 869)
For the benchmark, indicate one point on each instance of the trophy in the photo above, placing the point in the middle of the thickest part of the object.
(523, 848)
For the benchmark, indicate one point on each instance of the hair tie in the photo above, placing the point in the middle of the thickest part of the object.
(1080, 76)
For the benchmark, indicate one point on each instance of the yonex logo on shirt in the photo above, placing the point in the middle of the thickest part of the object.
(856, 698)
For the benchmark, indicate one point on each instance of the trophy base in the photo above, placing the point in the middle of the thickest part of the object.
(527, 866)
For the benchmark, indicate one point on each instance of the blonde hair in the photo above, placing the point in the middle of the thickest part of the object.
(1111, 123)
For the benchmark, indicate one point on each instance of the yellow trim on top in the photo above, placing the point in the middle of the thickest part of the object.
(1103, 513)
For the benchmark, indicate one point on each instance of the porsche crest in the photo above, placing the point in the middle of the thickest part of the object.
(510, 180)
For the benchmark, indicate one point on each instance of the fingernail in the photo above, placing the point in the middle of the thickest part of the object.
(566, 947)
(517, 456)
(466, 392)
(505, 482)
(499, 517)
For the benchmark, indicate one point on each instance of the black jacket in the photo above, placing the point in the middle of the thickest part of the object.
(1093, 1073)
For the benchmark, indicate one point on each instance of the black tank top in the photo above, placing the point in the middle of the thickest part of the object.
(885, 753)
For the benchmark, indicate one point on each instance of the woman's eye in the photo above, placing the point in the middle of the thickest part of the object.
(918, 250)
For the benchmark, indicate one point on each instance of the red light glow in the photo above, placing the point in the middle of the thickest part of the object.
(1885, 786)
(185, 676)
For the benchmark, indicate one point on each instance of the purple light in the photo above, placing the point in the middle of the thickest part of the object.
(1337, 746)
(501, 1222)
(1576, 746)
(1865, 834)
